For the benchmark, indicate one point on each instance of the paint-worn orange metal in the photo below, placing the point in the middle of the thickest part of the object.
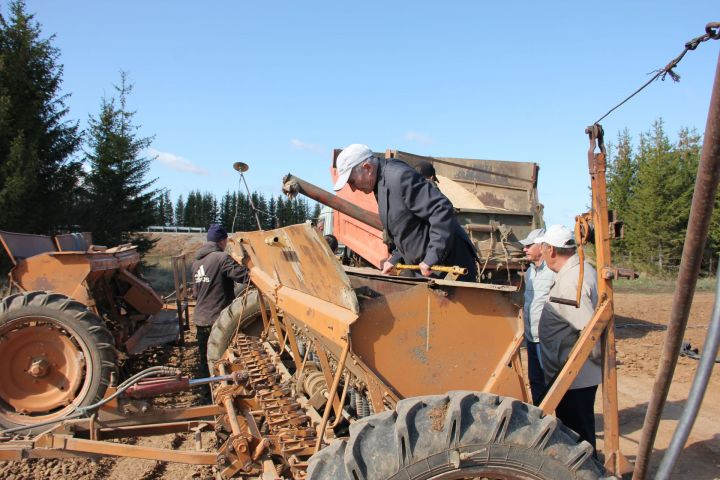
(46, 365)
(54, 373)
(450, 335)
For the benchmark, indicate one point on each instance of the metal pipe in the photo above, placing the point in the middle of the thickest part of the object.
(703, 201)
(293, 185)
(331, 392)
(697, 392)
(252, 204)
(342, 401)
(455, 270)
(229, 407)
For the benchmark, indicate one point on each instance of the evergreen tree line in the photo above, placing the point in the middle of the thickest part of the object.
(53, 176)
(56, 178)
(233, 210)
(650, 186)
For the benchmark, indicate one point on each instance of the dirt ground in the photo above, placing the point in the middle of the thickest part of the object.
(640, 333)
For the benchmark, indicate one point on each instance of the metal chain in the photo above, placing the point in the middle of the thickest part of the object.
(712, 32)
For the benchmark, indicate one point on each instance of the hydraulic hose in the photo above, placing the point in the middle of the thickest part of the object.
(80, 411)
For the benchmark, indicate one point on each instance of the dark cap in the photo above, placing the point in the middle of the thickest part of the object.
(427, 170)
(216, 233)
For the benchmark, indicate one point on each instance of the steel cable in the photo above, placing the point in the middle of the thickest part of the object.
(712, 32)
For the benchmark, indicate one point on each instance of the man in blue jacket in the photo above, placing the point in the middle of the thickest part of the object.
(416, 217)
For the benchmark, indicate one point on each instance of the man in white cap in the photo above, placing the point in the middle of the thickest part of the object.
(538, 281)
(416, 217)
(560, 327)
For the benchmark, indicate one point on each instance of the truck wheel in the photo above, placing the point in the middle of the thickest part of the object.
(226, 325)
(455, 436)
(55, 356)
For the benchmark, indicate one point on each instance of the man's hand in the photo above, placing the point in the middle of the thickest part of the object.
(425, 269)
(387, 268)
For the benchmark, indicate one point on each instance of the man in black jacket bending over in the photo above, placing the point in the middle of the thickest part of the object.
(215, 274)
(416, 217)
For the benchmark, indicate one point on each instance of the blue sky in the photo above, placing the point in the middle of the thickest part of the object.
(278, 85)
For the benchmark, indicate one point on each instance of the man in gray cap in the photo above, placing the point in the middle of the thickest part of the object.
(538, 281)
(215, 273)
(561, 325)
(416, 217)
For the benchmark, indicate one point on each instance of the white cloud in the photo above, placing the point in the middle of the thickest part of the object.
(176, 162)
(300, 145)
(418, 137)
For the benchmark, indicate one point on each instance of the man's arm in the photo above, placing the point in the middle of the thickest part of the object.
(426, 201)
(233, 270)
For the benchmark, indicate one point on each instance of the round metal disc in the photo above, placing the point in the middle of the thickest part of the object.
(241, 167)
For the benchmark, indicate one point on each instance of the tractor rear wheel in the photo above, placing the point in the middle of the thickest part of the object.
(55, 355)
(461, 435)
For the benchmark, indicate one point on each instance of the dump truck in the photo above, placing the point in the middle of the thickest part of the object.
(75, 312)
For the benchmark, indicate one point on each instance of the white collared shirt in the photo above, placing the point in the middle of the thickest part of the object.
(538, 282)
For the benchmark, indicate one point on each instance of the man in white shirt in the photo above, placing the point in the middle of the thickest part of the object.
(561, 325)
(538, 281)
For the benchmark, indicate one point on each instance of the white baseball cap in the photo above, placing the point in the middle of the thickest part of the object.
(530, 239)
(351, 156)
(558, 236)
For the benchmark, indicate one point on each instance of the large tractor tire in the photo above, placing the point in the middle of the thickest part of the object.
(55, 355)
(245, 311)
(461, 435)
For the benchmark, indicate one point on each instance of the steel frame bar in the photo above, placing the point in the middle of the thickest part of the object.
(615, 461)
(67, 443)
(335, 383)
(150, 430)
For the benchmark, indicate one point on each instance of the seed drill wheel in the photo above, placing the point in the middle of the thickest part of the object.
(55, 355)
(461, 435)
(245, 311)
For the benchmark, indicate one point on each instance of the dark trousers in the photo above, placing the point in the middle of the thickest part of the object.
(577, 411)
(203, 333)
(538, 387)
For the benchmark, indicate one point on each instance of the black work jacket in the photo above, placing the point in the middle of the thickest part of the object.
(420, 221)
(214, 274)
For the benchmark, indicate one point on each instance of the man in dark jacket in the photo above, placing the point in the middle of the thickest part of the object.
(215, 274)
(416, 217)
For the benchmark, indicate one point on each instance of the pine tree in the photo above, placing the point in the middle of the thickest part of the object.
(168, 209)
(180, 212)
(316, 211)
(119, 199)
(160, 211)
(37, 176)
(621, 180)
(659, 208)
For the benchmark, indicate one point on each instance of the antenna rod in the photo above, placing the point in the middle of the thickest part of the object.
(241, 168)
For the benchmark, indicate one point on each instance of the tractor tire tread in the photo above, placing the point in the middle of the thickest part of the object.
(460, 431)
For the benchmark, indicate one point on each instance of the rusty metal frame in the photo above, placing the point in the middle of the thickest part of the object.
(61, 441)
(602, 324)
